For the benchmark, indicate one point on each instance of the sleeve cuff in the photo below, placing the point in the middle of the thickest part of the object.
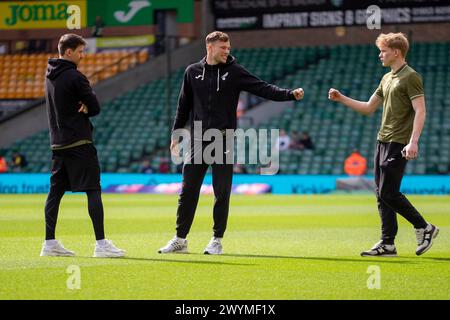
(416, 96)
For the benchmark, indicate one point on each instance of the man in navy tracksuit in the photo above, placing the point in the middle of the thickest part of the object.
(209, 96)
(70, 103)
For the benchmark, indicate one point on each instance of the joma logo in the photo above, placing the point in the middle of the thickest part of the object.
(36, 12)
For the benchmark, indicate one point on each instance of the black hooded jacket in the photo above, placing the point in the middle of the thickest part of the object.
(65, 88)
(210, 94)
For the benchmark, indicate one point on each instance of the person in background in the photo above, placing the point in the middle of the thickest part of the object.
(295, 140)
(164, 166)
(306, 141)
(284, 141)
(3, 164)
(146, 167)
(97, 28)
(355, 164)
(18, 162)
(239, 169)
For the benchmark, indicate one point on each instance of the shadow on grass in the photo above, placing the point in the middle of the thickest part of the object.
(334, 259)
(179, 261)
(437, 259)
(395, 260)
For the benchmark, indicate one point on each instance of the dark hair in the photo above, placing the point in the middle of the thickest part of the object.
(217, 36)
(70, 41)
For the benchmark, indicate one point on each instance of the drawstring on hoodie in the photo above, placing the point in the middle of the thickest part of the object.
(218, 77)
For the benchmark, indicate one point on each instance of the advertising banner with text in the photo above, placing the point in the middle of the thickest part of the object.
(242, 183)
(55, 14)
(280, 14)
(39, 14)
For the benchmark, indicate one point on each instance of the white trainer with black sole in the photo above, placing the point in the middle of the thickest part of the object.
(175, 245)
(55, 248)
(425, 238)
(380, 250)
(107, 250)
(214, 246)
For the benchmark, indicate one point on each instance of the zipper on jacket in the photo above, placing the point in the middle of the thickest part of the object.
(209, 98)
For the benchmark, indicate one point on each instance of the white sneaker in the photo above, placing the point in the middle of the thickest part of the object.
(380, 250)
(175, 245)
(425, 238)
(56, 249)
(108, 250)
(214, 246)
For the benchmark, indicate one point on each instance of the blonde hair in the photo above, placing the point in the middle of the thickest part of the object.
(394, 41)
(217, 36)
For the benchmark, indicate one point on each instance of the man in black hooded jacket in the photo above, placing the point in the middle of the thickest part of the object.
(70, 102)
(209, 96)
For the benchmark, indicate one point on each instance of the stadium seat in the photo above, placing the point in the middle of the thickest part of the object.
(31, 68)
(124, 139)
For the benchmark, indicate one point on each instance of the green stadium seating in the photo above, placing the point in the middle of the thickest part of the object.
(136, 125)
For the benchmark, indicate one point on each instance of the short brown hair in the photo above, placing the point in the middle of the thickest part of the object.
(217, 36)
(394, 41)
(70, 41)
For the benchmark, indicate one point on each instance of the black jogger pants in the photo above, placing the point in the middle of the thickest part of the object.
(193, 175)
(389, 170)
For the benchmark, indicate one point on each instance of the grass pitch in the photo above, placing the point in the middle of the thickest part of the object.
(275, 247)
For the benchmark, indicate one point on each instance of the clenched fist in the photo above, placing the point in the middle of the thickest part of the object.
(298, 93)
(334, 95)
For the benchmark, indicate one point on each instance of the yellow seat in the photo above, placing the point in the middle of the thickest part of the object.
(143, 56)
